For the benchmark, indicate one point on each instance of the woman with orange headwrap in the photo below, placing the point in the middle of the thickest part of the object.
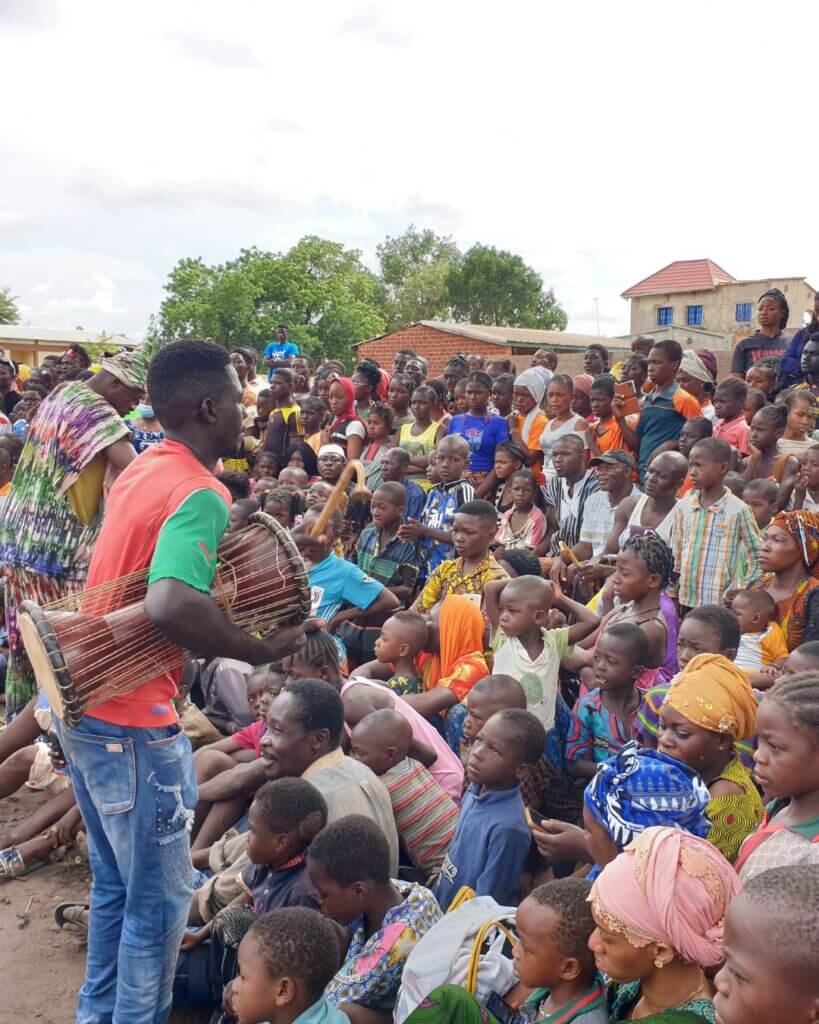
(457, 631)
(789, 558)
(709, 706)
(659, 908)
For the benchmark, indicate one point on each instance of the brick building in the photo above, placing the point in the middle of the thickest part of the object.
(438, 342)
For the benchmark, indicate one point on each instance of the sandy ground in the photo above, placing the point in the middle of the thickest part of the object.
(43, 966)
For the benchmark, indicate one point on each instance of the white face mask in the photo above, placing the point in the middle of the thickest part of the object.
(145, 412)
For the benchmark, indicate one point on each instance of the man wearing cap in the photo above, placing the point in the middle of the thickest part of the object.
(54, 510)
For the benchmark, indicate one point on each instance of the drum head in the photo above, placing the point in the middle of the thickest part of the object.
(302, 609)
(44, 654)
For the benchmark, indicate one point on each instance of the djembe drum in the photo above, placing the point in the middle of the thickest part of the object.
(98, 643)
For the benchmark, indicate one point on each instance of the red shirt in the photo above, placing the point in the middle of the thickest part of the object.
(143, 499)
(736, 432)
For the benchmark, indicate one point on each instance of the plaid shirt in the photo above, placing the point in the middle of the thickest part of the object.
(715, 549)
(394, 564)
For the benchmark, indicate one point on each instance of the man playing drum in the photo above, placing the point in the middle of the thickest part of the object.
(130, 763)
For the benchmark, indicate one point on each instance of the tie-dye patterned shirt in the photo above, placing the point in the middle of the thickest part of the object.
(39, 530)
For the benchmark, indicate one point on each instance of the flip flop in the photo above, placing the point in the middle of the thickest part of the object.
(70, 913)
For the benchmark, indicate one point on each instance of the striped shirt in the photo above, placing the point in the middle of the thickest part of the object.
(716, 549)
(426, 817)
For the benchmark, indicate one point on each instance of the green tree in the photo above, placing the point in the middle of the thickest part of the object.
(492, 286)
(321, 290)
(9, 314)
(414, 268)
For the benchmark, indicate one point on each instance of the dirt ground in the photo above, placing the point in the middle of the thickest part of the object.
(43, 965)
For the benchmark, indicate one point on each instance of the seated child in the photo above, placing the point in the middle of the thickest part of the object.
(282, 504)
(804, 658)
(709, 706)
(349, 866)
(402, 638)
(543, 786)
(474, 527)
(762, 642)
(771, 945)
(806, 492)
(363, 696)
(425, 816)
(240, 511)
(334, 581)
(434, 530)
(552, 958)
(285, 962)
(379, 426)
(524, 648)
(492, 841)
(761, 498)
(787, 770)
(710, 629)
(395, 469)
(380, 553)
(293, 478)
(524, 524)
(730, 424)
(284, 818)
(603, 719)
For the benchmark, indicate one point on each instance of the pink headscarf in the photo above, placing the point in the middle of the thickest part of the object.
(668, 886)
(583, 382)
(348, 412)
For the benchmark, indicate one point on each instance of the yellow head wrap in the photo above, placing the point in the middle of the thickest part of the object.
(713, 693)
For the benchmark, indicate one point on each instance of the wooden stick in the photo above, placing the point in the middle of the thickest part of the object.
(361, 492)
(566, 550)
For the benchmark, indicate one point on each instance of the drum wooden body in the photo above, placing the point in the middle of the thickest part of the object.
(99, 643)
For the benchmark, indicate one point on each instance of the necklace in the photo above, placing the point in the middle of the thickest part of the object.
(677, 1002)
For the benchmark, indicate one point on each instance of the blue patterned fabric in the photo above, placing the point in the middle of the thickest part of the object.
(641, 788)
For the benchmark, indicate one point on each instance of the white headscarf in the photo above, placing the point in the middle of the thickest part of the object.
(535, 380)
(695, 367)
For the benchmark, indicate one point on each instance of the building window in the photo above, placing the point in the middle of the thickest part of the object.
(744, 312)
(665, 316)
(694, 316)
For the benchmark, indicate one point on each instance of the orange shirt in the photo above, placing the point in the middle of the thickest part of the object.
(532, 442)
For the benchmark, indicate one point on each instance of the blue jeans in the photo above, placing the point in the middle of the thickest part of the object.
(136, 789)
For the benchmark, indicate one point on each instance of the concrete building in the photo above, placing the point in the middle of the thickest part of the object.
(30, 344)
(699, 294)
(438, 341)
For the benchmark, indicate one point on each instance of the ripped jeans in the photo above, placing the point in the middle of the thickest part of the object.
(136, 789)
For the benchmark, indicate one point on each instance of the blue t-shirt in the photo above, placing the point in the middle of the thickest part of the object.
(416, 499)
(483, 434)
(443, 501)
(335, 582)
(489, 848)
(277, 350)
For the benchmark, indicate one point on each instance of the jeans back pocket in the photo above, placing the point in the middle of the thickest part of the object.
(108, 769)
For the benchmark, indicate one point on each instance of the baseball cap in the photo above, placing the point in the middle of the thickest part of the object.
(615, 457)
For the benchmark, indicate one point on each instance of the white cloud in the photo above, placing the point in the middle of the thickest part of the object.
(599, 142)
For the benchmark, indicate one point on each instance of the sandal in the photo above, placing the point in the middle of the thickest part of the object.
(71, 913)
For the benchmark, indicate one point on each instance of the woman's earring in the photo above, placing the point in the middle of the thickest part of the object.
(659, 964)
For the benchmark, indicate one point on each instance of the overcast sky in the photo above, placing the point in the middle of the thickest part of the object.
(598, 140)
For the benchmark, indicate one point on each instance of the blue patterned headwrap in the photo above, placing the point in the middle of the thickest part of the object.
(639, 788)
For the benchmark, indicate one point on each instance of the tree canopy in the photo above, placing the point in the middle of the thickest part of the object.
(9, 314)
(491, 286)
(329, 299)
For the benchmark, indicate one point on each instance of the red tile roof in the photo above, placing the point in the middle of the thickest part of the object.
(680, 276)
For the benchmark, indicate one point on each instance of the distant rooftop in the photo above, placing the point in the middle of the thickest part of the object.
(62, 336)
(520, 336)
(681, 276)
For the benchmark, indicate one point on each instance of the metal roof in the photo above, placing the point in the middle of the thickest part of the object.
(681, 276)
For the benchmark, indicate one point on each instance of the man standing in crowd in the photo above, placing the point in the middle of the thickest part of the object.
(130, 762)
(280, 352)
(53, 511)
